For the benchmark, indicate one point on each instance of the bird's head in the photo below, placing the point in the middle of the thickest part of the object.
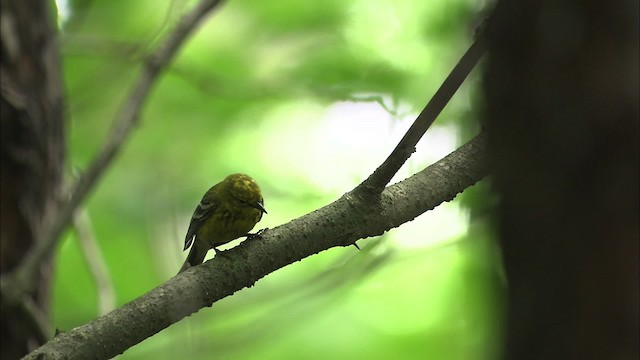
(244, 191)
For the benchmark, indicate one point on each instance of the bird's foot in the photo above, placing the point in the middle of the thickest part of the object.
(257, 234)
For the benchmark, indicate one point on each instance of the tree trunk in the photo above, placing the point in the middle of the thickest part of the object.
(562, 118)
(32, 154)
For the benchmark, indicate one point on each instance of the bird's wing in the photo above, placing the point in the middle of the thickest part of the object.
(203, 211)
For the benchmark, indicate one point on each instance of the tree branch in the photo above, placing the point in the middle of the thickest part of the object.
(16, 283)
(407, 146)
(95, 261)
(337, 224)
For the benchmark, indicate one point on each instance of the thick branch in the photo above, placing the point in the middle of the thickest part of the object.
(124, 122)
(338, 224)
(407, 146)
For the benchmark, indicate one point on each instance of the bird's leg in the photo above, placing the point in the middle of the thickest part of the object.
(257, 234)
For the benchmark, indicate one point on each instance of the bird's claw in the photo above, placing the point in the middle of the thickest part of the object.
(257, 234)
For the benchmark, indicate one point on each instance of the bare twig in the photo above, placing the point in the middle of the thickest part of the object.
(124, 122)
(383, 174)
(95, 261)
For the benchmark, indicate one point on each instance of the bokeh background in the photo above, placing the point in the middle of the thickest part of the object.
(308, 97)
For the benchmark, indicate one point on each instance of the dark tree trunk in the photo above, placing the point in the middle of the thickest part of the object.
(562, 116)
(32, 153)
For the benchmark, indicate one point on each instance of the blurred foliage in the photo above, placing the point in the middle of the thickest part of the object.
(308, 97)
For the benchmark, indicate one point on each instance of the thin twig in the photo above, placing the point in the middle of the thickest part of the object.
(124, 122)
(95, 261)
(376, 182)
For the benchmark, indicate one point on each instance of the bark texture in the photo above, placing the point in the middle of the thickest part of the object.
(32, 153)
(562, 118)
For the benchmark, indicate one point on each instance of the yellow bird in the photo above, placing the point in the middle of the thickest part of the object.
(229, 210)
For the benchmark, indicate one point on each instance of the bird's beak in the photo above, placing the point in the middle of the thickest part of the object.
(260, 207)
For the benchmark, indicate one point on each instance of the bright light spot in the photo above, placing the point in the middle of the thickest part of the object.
(446, 223)
(353, 139)
(64, 12)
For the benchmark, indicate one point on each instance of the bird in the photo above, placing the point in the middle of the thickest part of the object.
(227, 211)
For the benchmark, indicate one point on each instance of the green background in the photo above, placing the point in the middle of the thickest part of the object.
(308, 97)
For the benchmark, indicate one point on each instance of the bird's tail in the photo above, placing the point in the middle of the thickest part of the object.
(196, 256)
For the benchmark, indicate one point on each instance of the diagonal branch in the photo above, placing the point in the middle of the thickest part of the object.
(337, 224)
(407, 146)
(12, 285)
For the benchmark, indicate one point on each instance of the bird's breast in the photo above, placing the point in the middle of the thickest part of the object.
(226, 224)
